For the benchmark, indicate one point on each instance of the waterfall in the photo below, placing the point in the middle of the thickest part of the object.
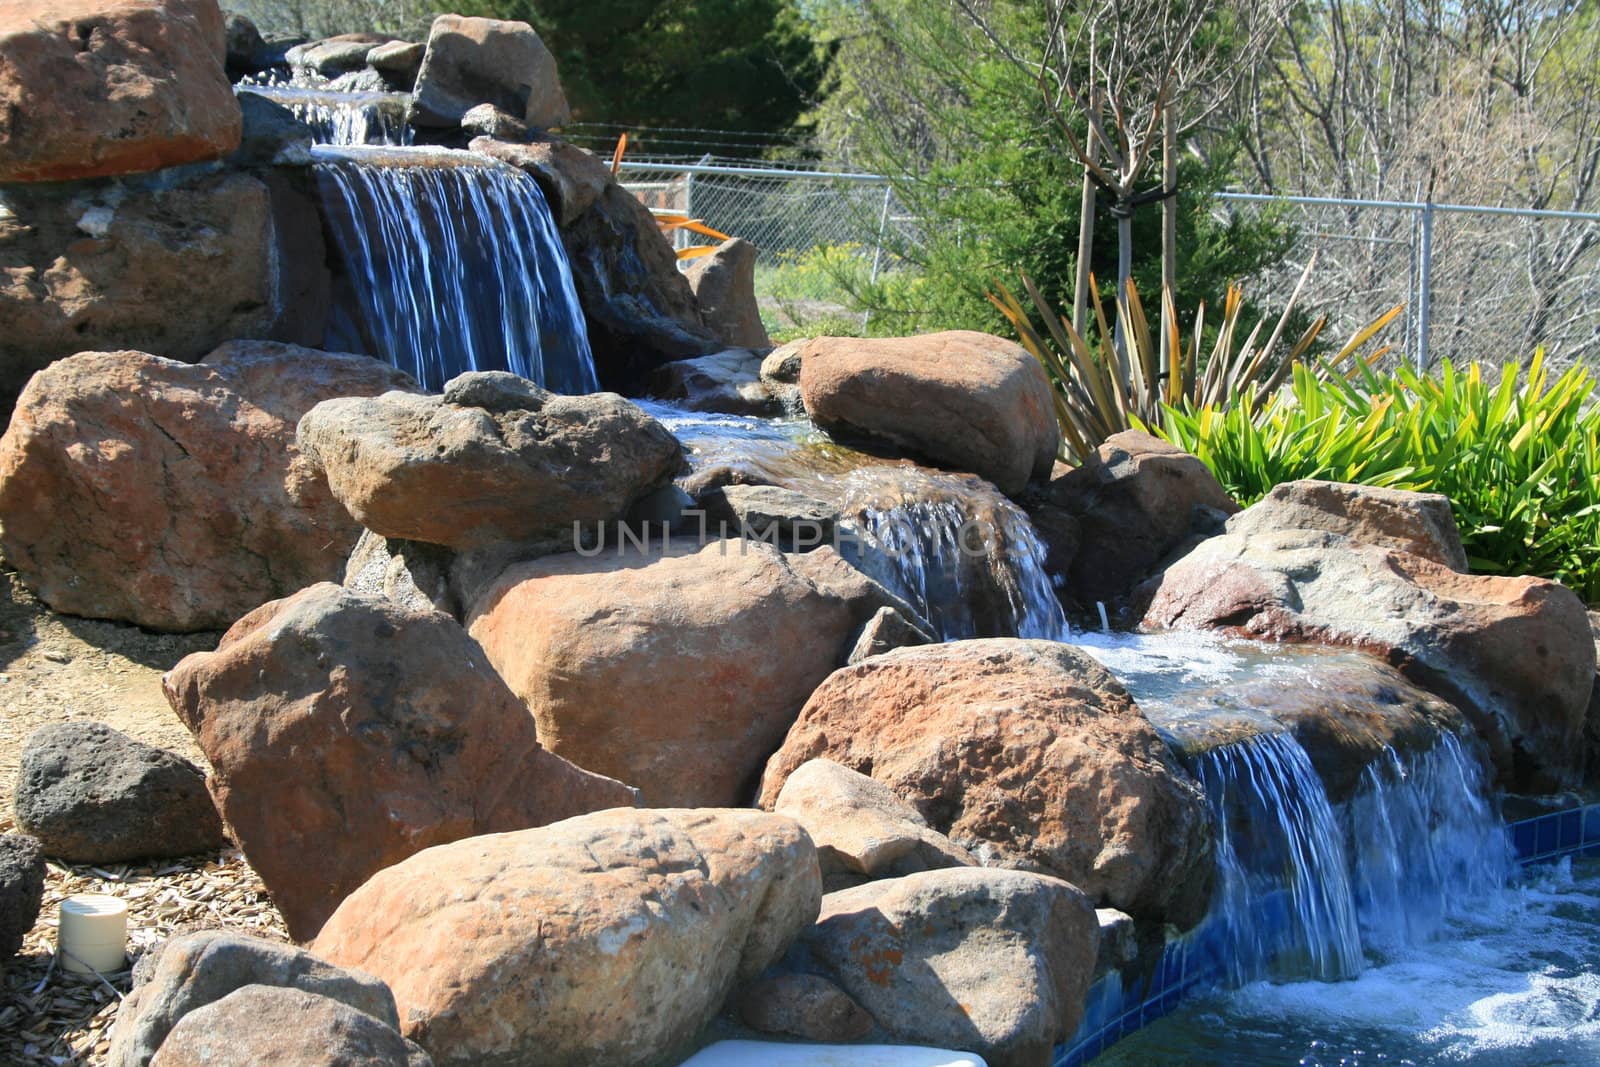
(1422, 834)
(955, 548)
(452, 262)
(1306, 890)
(345, 118)
(1284, 904)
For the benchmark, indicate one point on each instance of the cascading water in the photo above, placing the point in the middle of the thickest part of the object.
(452, 263)
(1307, 889)
(1284, 904)
(1422, 833)
(958, 551)
(344, 118)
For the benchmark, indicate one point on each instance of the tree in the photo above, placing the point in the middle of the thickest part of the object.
(969, 109)
(1492, 102)
(678, 65)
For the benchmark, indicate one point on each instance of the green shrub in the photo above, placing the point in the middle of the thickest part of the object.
(1519, 459)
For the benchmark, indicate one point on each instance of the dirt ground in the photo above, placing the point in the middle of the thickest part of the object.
(54, 668)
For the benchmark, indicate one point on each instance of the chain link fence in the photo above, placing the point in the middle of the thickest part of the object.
(1478, 283)
(1485, 283)
(803, 222)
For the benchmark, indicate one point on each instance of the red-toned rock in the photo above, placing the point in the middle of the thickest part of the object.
(494, 459)
(285, 1027)
(1422, 524)
(963, 400)
(677, 670)
(724, 283)
(1514, 654)
(172, 495)
(610, 938)
(96, 87)
(177, 264)
(1110, 522)
(354, 730)
(472, 61)
(993, 962)
(1026, 753)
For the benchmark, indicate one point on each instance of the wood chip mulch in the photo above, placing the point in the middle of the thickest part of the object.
(51, 1016)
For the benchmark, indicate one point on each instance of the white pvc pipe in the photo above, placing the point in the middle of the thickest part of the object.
(93, 933)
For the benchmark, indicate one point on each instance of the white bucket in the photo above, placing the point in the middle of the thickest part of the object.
(93, 934)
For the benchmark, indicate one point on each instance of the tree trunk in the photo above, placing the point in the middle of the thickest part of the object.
(1169, 238)
(1086, 210)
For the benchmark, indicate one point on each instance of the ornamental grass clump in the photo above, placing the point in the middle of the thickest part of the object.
(1519, 457)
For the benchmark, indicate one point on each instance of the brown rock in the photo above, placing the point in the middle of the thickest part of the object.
(994, 962)
(286, 1027)
(170, 495)
(96, 87)
(611, 938)
(190, 971)
(728, 381)
(178, 267)
(886, 631)
(861, 829)
(1419, 523)
(495, 127)
(805, 1006)
(1515, 654)
(333, 56)
(473, 61)
(962, 400)
(1134, 502)
(398, 62)
(349, 728)
(724, 282)
(495, 459)
(573, 180)
(674, 650)
(1028, 754)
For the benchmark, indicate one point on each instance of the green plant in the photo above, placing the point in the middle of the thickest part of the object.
(1518, 458)
(1115, 385)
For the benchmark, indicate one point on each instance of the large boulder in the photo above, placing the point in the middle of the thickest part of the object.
(611, 938)
(355, 730)
(495, 459)
(93, 795)
(639, 308)
(333, 56)
(994, 962)
(188, 972)
(176, 264)
(963, 400)
(21, 890)
(96, 87)
(662, 666)
(1026, 753)
(1422, 524)
(861, 829)
(472, 61)
(1514, 654)
(1127, 508)
(724, 282)
(286, 1027)
(173, 496)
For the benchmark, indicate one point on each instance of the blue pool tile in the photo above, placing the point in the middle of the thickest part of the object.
(1569, 829)
(1591, 825)
(1523, 838)
(1546, 835)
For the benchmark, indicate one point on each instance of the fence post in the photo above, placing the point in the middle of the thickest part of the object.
(682, 235)
(1425, 287)
(883, 228)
